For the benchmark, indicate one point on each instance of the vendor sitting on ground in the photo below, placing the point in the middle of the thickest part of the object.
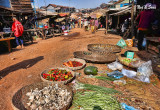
(17, 28)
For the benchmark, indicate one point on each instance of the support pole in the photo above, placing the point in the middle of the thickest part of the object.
(118, 21)
(106, 23)
(132, 20)
(36, 25)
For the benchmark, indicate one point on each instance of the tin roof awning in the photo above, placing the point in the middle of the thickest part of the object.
(127, 10)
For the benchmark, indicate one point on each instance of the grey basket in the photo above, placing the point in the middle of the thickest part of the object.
(20, 100)
(104, 48)
(96, 57)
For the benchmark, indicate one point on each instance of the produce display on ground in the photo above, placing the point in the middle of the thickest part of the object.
(57, 75)
(88, 100)
(91, 70)
(72, 64)
(48, 98)
(133, 63)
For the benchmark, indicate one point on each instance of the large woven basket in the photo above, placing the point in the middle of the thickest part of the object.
(20, 100)
(104, 48)
(64, 82)
(75, 59)
(96, 57)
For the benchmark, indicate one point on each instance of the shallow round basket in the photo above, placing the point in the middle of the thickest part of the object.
(20, 100)
(95, 57)
(104, 48)
(121, 60)
(75, 59)
(63, 82)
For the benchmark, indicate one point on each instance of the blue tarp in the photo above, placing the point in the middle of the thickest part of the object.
(5, 3)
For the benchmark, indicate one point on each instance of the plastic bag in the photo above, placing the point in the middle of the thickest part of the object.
(122, 43)
(137, 63)
(115, 66)
(129, 73)
(145, 71)
(115, 74)
(119, 82)
(126, 107)
(129, 42)
(144, 42)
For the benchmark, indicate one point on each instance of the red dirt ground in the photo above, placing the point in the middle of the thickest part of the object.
(23, 67)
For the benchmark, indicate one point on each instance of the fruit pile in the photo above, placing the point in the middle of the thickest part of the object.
(57, 75)
(72, 64)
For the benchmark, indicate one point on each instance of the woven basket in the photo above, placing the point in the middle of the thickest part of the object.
(121, 60)
(63, 82)
(104, 48)
(20, 100)
(96, 57)
(75, 68)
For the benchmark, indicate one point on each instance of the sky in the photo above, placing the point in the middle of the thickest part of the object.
(72, 3)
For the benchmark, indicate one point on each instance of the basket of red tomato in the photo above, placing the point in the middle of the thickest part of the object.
(74, 63)
(63, 75)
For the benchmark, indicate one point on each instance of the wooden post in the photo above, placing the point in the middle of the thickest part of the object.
(132, 20)
(106, 23)
(118, 22)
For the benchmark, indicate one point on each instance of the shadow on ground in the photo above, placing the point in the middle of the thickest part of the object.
(21, 65)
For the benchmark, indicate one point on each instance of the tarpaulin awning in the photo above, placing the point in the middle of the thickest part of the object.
(59, 19)
(63, 14)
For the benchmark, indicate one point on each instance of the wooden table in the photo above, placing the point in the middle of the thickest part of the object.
(8, 42)
(40, 32)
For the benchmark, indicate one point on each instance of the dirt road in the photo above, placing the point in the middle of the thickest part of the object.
(22, 67)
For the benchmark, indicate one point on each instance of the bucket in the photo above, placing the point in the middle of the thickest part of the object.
(65, 33)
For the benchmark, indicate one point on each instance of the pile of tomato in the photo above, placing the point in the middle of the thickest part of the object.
(57, 75)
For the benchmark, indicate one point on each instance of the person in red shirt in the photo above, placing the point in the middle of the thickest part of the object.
(17, 28)
(145, 19)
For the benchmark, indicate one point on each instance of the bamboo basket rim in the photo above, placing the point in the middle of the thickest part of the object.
(20, 99)
(112, 48)
(96, 57)
(64, 82)
(75, 59)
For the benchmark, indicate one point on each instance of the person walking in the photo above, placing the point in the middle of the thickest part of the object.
(96, 24)
(145, 19)
(86, 24)
(92, 25)
(17, 29)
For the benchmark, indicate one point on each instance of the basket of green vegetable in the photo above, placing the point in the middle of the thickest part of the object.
(104, 48)
(96, 57)
(133, 63)
(63, 75)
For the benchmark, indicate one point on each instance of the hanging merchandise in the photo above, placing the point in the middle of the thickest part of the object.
(122, 43)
